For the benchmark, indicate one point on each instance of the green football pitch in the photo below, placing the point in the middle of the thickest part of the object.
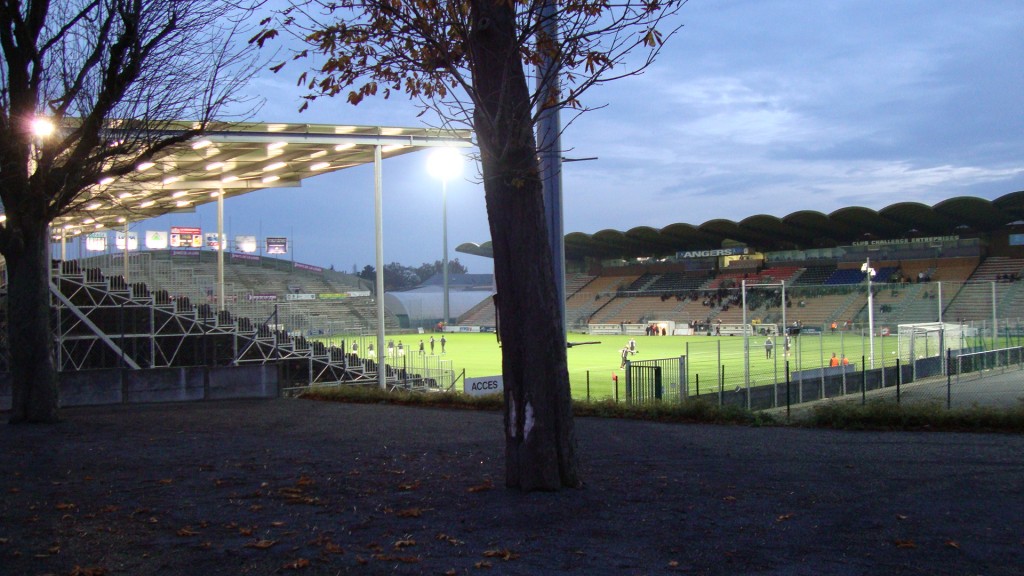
(711, 360)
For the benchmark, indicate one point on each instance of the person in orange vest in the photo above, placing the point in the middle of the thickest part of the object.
(834, 326)
(845, 361)
(834, 361)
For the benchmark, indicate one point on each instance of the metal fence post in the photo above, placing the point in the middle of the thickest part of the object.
(899, 380)
(949, 378)
(863, 381)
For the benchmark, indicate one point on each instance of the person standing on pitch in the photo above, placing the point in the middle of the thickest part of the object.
(625, 352)
(768, 345)
(443, 342)
(632, 345)
(431, 345)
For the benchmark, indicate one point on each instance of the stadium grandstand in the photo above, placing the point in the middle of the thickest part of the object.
(959, 260)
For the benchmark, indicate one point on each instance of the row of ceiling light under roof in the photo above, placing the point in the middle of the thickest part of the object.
(179, 196)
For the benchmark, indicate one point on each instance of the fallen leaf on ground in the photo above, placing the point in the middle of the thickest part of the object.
(405, 543)
(505, 554)
(482, 564)
(905, 544)
(88, 571)
(410, 513)
(261, 544)
(407, 486)
(297, 564)
(65, 506)
(953, 544)
(784, 517)
(187, 531)
(487, 485)
(449, 539)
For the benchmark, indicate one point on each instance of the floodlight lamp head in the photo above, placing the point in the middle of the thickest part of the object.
(41, 127)
(445, 163)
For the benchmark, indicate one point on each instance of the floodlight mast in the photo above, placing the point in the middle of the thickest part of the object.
(445, 163)
(870, 273)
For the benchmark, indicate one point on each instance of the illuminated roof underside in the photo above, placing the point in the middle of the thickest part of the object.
(241, 158)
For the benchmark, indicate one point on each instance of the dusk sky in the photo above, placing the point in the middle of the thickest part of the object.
(754, 107)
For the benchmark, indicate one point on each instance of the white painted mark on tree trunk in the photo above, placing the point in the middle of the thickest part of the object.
(528, 424)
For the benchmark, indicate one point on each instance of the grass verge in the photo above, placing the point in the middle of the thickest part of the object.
(917, 416)
(697, 411)
(836, 415)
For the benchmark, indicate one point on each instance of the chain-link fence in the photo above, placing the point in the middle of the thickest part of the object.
(957, 364)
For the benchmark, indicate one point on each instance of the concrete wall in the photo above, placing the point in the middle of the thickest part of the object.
(118, 386)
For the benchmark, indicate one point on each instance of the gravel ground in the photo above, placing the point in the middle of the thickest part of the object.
(295, 486)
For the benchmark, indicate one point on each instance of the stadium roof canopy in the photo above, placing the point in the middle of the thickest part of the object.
(239, 158)
(964, 216)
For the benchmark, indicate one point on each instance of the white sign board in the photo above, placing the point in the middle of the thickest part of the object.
(484, 386)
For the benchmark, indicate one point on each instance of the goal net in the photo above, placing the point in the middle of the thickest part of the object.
(928, 339)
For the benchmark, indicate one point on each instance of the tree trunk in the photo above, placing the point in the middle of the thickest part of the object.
(33, 373)
(540, 445)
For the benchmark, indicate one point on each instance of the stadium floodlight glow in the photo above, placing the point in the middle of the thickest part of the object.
(179, 194)
(869, 272)
(143, 166)
(124, 195)
(171, 179)
(276, 145)
(445, 163)
(269, 179)
(200, 144)
(317, 154)
(343, 147)
(42, 128)
(274, 166)
(228, 179)
(392, 148)
(93, 206)
(182, 203)
(320, 166)
(147, 203)
(214, 166)
(107, 180)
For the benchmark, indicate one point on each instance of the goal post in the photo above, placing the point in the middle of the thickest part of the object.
(929, 339)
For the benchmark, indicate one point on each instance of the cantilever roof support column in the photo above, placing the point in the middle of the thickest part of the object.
(126, 279)
(378, 221)
(220, 249)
